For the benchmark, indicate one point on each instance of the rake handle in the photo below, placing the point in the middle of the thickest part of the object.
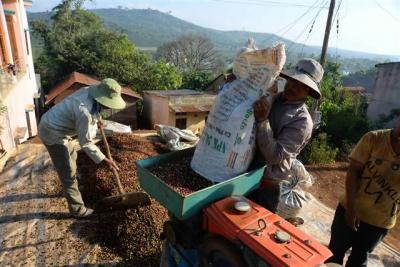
(108, 154)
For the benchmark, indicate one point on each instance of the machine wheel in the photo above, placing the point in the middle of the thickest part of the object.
(219, 252)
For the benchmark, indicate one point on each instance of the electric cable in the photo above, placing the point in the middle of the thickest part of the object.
(336, 17)
(266, 3)
(310, 31)
(387, 11)
(294, 44)
(295, 21)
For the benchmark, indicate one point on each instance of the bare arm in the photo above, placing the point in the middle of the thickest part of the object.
(352, 184)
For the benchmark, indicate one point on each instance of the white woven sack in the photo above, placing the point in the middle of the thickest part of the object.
(227, 144)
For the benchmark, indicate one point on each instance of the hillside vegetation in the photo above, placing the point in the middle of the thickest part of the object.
(148, 29)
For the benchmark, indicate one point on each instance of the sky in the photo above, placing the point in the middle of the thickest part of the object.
(364, 25)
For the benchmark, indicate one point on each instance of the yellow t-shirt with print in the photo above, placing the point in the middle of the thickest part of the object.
(378, 197)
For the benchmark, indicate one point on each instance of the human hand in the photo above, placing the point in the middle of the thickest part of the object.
(230, 77)
(351, 219)
(261, 109)
(111, 164)
(274, 88)
(100, 123)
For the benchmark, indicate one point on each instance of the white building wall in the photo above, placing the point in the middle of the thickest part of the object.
(28, 50)
(386, 91)
(18, 98)
(17, 93)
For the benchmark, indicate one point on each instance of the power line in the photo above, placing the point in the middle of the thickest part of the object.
(336, 17)
(294, 44)
(294, 22)
(337, 10)
(287, 3)
(310, 31)
(266, 3)
(387, 11)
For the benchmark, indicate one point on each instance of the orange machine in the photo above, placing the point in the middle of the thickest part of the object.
(242, 233)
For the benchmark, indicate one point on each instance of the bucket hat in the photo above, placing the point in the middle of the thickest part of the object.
(108, 93)
(309, 72)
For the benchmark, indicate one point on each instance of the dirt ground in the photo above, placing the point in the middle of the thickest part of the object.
(35, 226)
(330, 185)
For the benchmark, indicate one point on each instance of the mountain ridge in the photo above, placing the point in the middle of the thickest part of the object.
(151, 28)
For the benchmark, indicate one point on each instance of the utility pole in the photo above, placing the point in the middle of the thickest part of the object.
(315, 113)
(327, 31)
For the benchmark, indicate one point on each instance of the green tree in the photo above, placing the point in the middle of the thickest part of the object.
(77, 40)
(364, 78)
(117, 57)
(343, 118)
(189, 52)
(196, 80)
(195, 57)
(161, 76)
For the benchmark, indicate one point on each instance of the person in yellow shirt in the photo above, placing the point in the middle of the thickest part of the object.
(371, 204)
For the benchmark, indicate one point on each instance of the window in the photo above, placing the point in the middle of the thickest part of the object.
(180, 123)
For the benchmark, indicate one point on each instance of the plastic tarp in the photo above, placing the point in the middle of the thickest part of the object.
(111, 127)
(176, 139)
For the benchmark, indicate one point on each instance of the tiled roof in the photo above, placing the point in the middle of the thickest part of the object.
(77, 77)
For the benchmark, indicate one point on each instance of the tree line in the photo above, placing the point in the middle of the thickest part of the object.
(77, 40)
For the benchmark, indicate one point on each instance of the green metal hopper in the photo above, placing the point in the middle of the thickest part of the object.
(184, 207)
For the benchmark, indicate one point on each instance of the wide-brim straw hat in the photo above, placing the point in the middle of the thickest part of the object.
(309, 72)
(108, 93)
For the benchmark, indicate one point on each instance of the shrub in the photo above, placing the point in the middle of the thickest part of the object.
(319, 151)
(343, 118)
(345, 150)
(196, 80)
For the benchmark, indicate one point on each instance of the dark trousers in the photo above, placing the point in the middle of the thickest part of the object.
(268, 197)
(362, 241)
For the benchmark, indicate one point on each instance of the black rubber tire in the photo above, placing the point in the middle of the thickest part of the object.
(219, 252)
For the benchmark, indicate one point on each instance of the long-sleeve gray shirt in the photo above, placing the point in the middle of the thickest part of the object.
(281, 138)
(75, 115)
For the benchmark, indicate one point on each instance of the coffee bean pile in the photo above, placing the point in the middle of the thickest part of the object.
(180, 176)
(133, 234)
